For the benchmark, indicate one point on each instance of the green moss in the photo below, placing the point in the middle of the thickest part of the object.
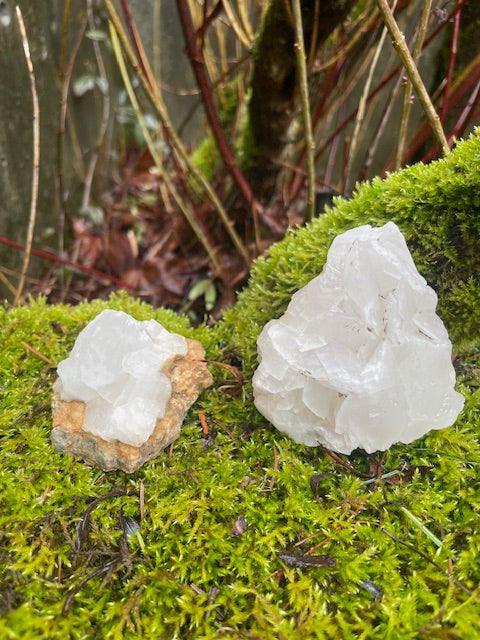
(206, 158)
(184, 575)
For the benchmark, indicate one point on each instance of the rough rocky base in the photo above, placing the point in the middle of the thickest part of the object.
(189, 376)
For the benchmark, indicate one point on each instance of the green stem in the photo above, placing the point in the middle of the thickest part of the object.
(307, 121)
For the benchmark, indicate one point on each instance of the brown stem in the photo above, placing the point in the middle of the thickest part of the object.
(195, 55)
(135, 39)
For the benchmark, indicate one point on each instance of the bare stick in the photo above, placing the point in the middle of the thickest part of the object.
(69, 263)
(398, 41)
(36, 156)
(307, 121)
(362, 106)
(235, 24)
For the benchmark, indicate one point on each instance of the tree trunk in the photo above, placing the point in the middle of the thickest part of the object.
(274, 84)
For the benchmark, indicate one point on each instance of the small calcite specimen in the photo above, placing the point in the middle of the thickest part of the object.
(360, 358)
(123, 392)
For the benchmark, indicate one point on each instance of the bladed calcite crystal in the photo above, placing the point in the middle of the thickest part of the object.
(122, 394)
(360, 359)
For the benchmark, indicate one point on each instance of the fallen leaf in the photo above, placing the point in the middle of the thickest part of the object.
(239, 527)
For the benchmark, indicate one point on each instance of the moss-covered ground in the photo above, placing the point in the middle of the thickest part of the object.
(214, 511)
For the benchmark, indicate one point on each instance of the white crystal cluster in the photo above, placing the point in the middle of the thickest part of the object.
(115, 368)
(360, 358)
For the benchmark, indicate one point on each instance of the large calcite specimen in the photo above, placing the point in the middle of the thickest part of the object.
(121, 395)
(360, 358)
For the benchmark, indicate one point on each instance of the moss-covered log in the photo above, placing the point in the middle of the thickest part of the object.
(436, 206)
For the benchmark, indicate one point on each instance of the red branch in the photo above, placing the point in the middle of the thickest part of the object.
(451, 62)
(80, 267)
(195, 55)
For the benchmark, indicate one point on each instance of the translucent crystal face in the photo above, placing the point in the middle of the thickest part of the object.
(360, 358)
(115, 368)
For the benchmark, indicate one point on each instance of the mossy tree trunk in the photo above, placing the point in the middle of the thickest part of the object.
(274, 86)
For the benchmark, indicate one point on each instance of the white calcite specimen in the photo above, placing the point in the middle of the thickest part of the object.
(115, 368)
(360, 358)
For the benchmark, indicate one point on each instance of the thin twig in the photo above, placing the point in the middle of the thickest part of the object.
(398, 41)
(105, 114)
(201, 235)
(424, 555)
(68, 263)
(372, 150)
(36, 156)
(451, 62)
(196, 60)
(466, 113)
(235, 24)
(7, 284)
(307, 120)
(157, 25)
(407, 91)
(227, 430)
(297, 178)
(365, 23)
(314, 39)
(156, 100)
(65, 78)
(59, 184)
(38, 353)
(275, 467)
(142, 500)
(243, 13)
(345, 464)
(362, 108)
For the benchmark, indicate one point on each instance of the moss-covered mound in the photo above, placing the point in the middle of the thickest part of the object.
(436, 206)
(400, 554)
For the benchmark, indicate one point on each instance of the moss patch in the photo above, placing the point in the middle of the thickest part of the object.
(406, 548)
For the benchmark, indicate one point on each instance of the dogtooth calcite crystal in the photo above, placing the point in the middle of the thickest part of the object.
(359, 359)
